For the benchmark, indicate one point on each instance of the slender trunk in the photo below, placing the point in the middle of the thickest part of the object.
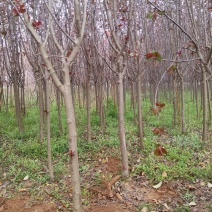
(175, 99)
(72, 139)
(108, 92)
(209, 103)
(122, 139)
(79, 96)
(204, 133)
(17, 105)
(23, 107)
(48, 132)
(196, 99)
(7, 98)
(1, 95)
(41, 108)
(101, 104)
(59, 116)
(134, 103)
(88, 105)
(97, 98)
(140, 124)
(114, 94)
(182, 106)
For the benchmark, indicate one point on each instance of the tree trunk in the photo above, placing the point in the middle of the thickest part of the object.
(204, 88)
(140, 124)
(182, 106)
(122, 139)
(17, 104)
(134, 103)
(175, 99)
(73, 153)
(88, 105)
(209, 102)
(48, 132)
(41, 107)
(58, 96)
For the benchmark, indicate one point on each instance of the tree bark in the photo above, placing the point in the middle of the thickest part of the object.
(48, 132)
(122, 139)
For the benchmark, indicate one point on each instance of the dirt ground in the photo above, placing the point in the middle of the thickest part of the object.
(122, 196)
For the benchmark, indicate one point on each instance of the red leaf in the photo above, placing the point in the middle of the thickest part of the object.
(120, 25)
(160, 150)
(126, 37)
(179, 53)
(22, 9)
(158, 104)
(210, 9)
(36, 24)
(149, 55)
(156, 110)
(15, 12)
(123, 19)
(72, 153)
(154, 16)
(158, 131)
(68, 54)
(171, 69)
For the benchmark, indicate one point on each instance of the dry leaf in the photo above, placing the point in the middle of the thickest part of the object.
(164, 174)
(119, 196)
(192, 204)
(0, 183)
(26, 177)
(144, 209)
(209, 185)
(22, 190)
(1, 208)
(202, 183)
(167, 207)
(158, 185)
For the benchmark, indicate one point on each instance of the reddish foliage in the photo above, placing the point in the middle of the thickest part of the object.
(126, 37)
(154, 16)
(36, 24)
(72, 153)
(158, 131)
(123, 19)
(149, 55)
(120, 25)
(210, 9)
(158, 104)
(20, 9)
(156, 110)
(160, 150)
(171, 70)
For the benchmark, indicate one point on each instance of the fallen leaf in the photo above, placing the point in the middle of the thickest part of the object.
(190, 187)
(167, 207)
(119, 196)
(0, 183)
(209, 185)
(1, 208)
(144, 209)
(202, 183)
(158, 185)
(26, 177)
(22, 190)
(164, 174)
(192, 204)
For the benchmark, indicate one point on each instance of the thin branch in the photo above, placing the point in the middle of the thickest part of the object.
(173, 21)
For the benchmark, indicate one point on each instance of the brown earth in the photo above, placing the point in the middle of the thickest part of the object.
(22, 204)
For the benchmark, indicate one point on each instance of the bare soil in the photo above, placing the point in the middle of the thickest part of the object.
(125, 196)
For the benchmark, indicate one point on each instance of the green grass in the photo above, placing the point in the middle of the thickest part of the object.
(24, 155)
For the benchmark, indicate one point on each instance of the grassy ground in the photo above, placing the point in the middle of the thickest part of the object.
(22, 155)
